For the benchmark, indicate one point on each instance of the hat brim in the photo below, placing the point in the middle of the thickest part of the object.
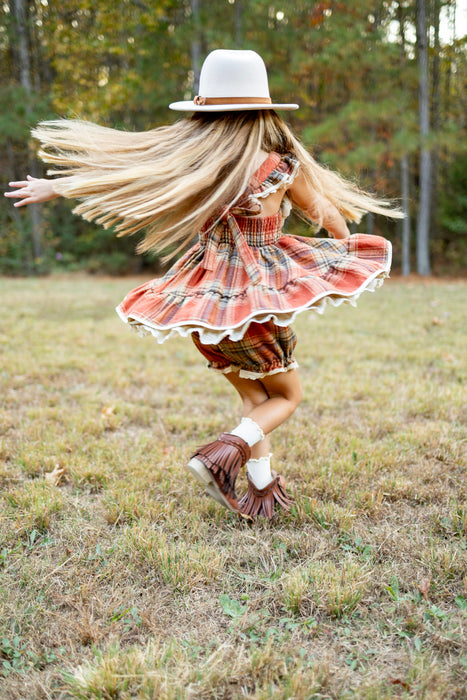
(190, 106)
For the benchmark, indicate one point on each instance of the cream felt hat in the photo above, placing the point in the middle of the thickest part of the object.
(230, 81)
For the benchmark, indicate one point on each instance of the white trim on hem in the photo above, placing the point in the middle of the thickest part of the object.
(246, 374)
(213, 336)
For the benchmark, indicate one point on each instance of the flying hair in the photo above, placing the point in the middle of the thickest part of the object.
(171, 180)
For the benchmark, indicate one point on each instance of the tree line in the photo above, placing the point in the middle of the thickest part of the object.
(380, 84)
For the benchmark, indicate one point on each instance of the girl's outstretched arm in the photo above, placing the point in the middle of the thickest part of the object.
(32, 191)
(317, 207)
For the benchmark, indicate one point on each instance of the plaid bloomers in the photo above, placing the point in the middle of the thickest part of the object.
(264, 349)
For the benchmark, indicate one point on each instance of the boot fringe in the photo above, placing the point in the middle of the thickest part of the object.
(260, 502)
(224, 458)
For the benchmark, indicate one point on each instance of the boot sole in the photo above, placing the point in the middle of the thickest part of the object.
(204, 476)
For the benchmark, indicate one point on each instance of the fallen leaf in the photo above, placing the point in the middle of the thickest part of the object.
(108, 410)
(55, 477)
(424, 587)
(435, 321)
(398, 681)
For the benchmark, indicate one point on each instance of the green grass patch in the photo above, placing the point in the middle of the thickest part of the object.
(120, 578)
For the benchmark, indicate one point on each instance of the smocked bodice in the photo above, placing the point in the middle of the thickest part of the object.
(256, 230)
(240, 226)
(241, 233)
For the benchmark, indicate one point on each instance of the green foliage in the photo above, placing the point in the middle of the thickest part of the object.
(120, 64)
(453, 204)
(449, 245)
(78, 244)
(231, 607)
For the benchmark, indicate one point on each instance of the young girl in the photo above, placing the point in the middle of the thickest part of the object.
(230, 175)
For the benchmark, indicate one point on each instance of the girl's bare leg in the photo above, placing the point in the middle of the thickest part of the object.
(285, 393)
(252, 394)
(268, 401)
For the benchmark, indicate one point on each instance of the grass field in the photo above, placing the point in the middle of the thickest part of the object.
(121, 579)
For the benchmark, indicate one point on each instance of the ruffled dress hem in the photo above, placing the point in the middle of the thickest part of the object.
(212, 335)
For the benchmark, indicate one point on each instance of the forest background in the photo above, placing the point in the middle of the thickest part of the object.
(381, 86)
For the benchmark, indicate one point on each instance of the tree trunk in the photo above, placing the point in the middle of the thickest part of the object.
(405, 188)
(20, 12)
(16, 215)
(196, 44)
(406, 210)
(435, 113)
(238, 29)
(423, 220)
(23, 45)
(370, 217)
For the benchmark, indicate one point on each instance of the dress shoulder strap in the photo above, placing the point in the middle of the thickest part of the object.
(274, 173)
(265, 169)
(279, 172)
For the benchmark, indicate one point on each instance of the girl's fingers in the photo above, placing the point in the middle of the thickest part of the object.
(23, 199)
(21, 183)
(17, 193)
(24, 196)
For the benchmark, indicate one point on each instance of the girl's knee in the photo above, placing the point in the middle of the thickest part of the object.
(294, 398)
(297, 395)
(253, 399)
(286, 386)
(252, 392)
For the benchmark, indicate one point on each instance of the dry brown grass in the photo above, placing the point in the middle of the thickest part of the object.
(121, 579)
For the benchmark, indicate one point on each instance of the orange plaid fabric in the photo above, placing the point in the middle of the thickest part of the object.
(245, 270)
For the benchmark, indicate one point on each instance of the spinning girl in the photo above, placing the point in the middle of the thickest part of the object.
(229, 176)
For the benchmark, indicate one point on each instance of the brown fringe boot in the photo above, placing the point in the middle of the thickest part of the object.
(260, 502)
(217, 465)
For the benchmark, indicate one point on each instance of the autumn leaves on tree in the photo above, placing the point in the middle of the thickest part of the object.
(379, 86)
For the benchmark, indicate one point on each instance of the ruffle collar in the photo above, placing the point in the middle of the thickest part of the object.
(275, 172)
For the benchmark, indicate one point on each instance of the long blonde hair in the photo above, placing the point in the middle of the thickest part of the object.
(171, 180)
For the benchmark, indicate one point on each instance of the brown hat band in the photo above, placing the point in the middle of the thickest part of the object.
(198, 100)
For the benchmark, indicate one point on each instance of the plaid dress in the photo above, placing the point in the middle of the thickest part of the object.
(244, 270)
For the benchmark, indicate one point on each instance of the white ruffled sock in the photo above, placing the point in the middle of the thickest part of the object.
(249, 431)
(260, 471)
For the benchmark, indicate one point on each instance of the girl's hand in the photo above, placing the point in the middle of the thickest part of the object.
(32, 191)
(334, 222)
(318, 207)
